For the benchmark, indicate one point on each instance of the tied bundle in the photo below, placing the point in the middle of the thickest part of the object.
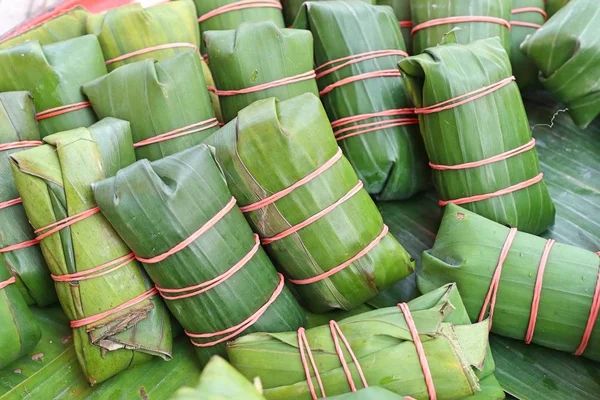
(527, 17)
(257, 61)
(477, 135)
(467, 21)
(535, 290)
(442, 355)
(117, 320)
(54, 74)
(361, 89)
(150, 95)
(402, 11)
(180, 220)
(18, 131)
(571, 71)
(302, 197)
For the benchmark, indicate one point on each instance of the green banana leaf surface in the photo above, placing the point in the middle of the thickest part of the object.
(552, 6)
(292, 7)
(527, 16)
(54, 181)
(386, 151)
(18, 124)
(402, 11)
(54, 74)
(370, 393)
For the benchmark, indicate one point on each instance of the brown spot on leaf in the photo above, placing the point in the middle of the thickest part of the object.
(18, 371)
(66, 339)
(143, 393)
(460, 216)
(37, 356)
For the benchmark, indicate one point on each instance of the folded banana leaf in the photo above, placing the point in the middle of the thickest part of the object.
(477, 135)
(358, 47)
(20, 331)
(527, 17)
(255, 55)
(65, 26)
(457, 354)
(116, 321)
(54, 74)
(166, 102)
(370, 393)
(468, 250)
(218, 381)
(18, 130)
(571, 70)
(292, 7)
(302, 197)
(402, 11)
(552, 6)
(220, 282)
(477, 19)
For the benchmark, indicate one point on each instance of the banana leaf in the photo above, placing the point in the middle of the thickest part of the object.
(385, 151)
(273, 145)
(566, 53)
(402, 11)
(20, 330)
(27, 265)
(523, 23)
(65, 26)
(370, 393)
(155, 206)
(457, 354)
(219, 380)
(157, 98)
(256, 54)
(423, 11)
(466, 251)
(54, 74)
(292, 7)
(552, 6)
(481, 127)
(54, 182)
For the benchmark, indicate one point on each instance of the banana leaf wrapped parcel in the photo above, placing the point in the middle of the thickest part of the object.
(571, 71)
(477, 134)
(257, 61)
(18, 131)
(467, 20)
(527, 17)
(360, 87)
(302, 197)
(166, 102)
(54, 74)
(116, 317)
(370, 393)
(441, 354)
(535, 289)
(402, 11)
(20, 330)
(292, 7)
(179, 218)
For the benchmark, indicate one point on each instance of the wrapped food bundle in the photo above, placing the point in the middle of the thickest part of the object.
(571, 71)
(20, 330)
(18, 131)
(370, 393)
(117, 320)
(302, 197)
(292, 7)
(527, 17)
(54, 74)
(166, 102)
(357, 50)
(552, 6)
(535, 289)
(180, 220)
(257, 61)
(477, 134)
(442, 355)
(402, 11)
(467, 20)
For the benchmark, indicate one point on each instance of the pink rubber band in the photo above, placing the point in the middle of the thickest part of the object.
(490, 298)
(56, 111)
(7, 282)
(458, 20)
(19, 246)
(503, 156)
(240, 5)
(64, 223)
(373, 127)
(242, 326)
(10, 203)
(280, 82)
(335, 332)
(282, 193)
(362, 117)
(203, 229)
(537, 291)
(594, 310)
(186, 130)
(102, 270)
(528, 10)
(340, 267)
(405, 24)
(97, 317)
(525, 24)
(386, 73)
(313, 218)
(465, 98)
(414, 333)
(302, 346)
(151, 49)
(356, 58)
(208, 285)
(18, 145)
(501, 192)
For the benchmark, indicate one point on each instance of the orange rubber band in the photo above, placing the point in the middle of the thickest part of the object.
(149, 50)
(405, 24)
(56, 111)
(10, 203)
(7, 282)
(19, 246)
(280, 82)
(537, 291)
(64, 223)
(530, 9)
(356, 58)
(525, 24)
(335, 333)
(240, 5)
(386, 73)
(18, 145)
(175, 133)
(459, 20)
(594, 311)
(302, 346)
(373, 127)
(91, 273)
